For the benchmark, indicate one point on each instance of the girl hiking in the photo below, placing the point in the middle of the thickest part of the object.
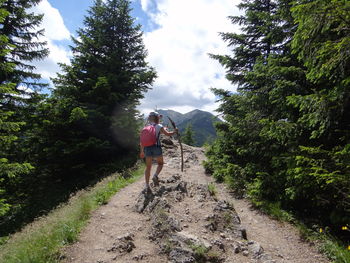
(151, 147)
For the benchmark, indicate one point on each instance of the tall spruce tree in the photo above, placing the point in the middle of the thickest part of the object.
(95, 99)
(22, 30)
(9, 167)
(322, 43)
(286, 137)
(265, 71)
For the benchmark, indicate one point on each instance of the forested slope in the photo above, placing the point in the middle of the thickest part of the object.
(285, 138)
(86, 128)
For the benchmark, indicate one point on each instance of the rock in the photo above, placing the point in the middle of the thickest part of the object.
(244, 233)
(245, 253)
(158, 202)
(173, 179)
(128, 236)
(174, 224)
(222, 235)
(139, 257)
(237, 248)
(255, 248)
(143, 200)
(219, 244)
(124, 244)
(180, 255)
(167, 141)
(223, 205)
(187, 238)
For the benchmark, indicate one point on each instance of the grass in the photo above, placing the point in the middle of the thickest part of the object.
(327, 244)
(212, 189)
(203, 254)
(43, 240)
(334, 250)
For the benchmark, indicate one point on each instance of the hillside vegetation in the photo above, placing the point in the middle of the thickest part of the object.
(286, 136)
(86, 128)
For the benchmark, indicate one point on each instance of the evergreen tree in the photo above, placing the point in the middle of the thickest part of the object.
(9, 168)
(264, 28)
(20, 47)
(21, 29)
(94, 103)
(285, 138)
(188, 136)
(266, 73)
(322, 43)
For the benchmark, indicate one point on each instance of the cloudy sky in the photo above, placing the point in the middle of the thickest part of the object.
(179, 34)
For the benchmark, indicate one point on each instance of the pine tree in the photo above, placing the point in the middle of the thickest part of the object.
(9, 168)
(285, 138)
(188, 136)
(21, 29)
(96, 96)
(264, 28)
(266, 73)
(20, 47)
(322, 43)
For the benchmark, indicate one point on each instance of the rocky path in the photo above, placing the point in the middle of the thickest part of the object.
(181, 221)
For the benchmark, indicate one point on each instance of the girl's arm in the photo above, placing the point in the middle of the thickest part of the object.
(142, 153)
(168, 133)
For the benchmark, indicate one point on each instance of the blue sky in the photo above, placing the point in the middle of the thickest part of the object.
(73, 12)
(178, 35)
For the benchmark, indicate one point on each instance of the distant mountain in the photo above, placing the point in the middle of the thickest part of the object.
(202, 123)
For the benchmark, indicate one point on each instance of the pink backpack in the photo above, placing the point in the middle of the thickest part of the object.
(148, 136)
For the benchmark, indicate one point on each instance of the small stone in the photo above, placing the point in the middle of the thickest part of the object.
(245, 253)
(185, 226)
(255, 248)
(244, 233)
(237, 249)
(219, 244)
(222, 235)
(102, 231)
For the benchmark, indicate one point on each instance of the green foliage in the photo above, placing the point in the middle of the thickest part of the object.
(188, 135)
(10, 166)
(285, 136)
(42, 242)
(98, 94)
(86, 128)
(212, 189)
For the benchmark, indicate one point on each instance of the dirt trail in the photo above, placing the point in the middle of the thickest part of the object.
(182, 222)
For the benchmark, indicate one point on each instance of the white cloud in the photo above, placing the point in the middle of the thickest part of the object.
(178, 49)
(52, 22)
(55, 31)
(145, 4)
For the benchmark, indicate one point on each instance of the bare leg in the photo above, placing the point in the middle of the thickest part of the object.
(148, 169)
(160, 162)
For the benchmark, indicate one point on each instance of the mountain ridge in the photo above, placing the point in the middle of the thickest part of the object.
(202, 123)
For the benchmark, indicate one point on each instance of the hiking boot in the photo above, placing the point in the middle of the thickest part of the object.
(155, 180)
(146, 189)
